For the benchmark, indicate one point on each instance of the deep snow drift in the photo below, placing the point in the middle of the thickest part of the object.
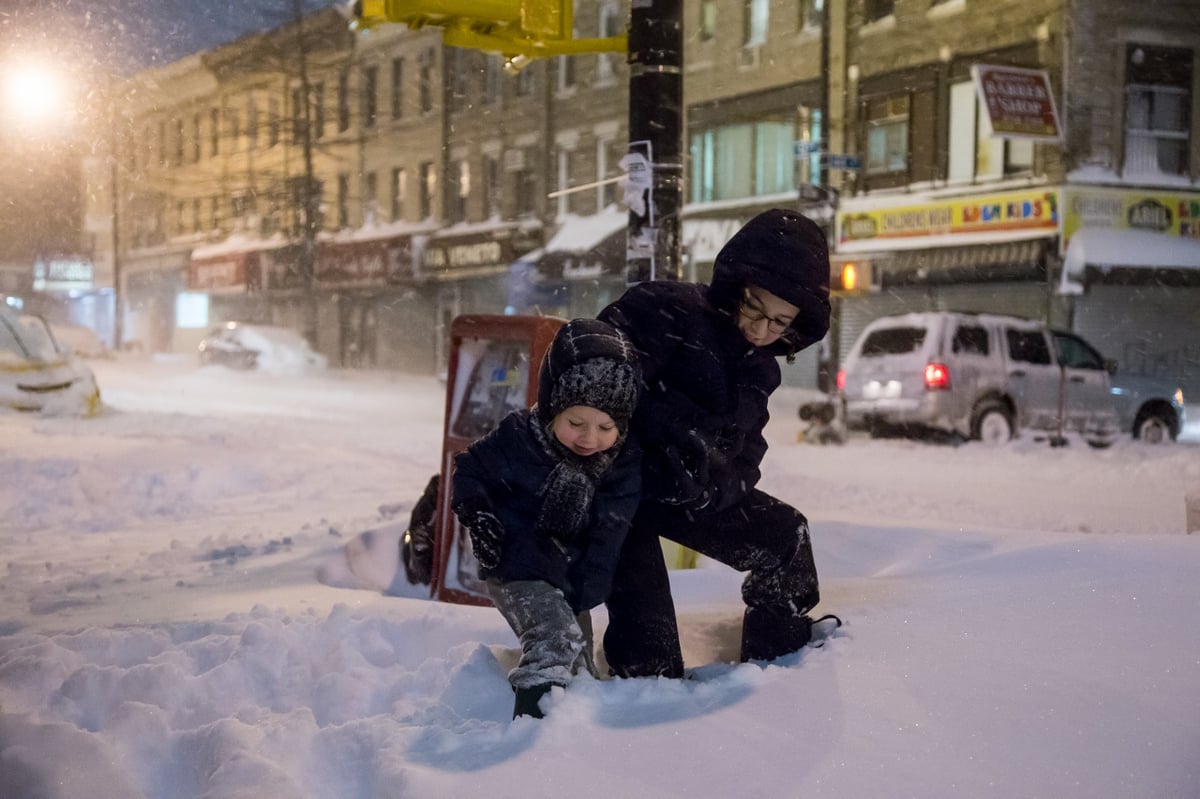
(1019, 622)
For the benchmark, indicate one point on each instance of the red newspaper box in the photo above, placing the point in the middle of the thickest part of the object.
(494, 363)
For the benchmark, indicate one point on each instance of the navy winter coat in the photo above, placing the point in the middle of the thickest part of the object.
(504, 471)
(704, 400)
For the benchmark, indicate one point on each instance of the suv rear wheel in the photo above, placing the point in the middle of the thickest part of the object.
(1153, 427)
(992, 423)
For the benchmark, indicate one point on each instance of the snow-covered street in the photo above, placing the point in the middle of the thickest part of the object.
(177, 619)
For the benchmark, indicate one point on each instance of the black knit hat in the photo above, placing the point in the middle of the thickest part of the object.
(785, 253)
(589, 363)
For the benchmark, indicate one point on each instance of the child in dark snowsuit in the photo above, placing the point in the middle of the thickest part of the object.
(547, 498)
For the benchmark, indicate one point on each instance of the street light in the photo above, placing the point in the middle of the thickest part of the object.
(35, 97)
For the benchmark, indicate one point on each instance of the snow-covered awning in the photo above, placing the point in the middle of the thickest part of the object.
(587, 246)
(1125, 248)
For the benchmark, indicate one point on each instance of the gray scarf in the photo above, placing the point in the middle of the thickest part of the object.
(570, 487)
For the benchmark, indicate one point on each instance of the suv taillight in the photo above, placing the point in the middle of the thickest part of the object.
(937, 376)
(841, 380)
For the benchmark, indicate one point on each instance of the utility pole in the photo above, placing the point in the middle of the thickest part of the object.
(654, 163)
(310, 197)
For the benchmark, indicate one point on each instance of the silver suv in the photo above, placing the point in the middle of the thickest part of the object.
(986, 376)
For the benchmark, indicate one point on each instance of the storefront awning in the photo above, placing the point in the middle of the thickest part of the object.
(981, 263)
(586, 246)
(1124, 248)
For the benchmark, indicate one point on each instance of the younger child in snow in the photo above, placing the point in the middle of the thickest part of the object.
(547, 498)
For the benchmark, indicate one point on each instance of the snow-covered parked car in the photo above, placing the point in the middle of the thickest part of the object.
(268, 348)
(80, 340)
(986, 376)
(39, 374)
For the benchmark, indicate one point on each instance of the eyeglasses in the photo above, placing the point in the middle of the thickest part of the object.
(753, 311)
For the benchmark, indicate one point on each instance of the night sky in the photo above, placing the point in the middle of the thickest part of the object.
(127, 35)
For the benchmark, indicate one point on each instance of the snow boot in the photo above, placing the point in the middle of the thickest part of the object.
(527, 699)
(769, 634)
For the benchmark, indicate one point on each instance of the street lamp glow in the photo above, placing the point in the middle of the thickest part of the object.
(35, 96)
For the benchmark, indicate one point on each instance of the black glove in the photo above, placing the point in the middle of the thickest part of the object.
(487, 534)
(679, 485)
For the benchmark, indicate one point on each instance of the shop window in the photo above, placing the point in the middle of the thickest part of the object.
(1158, 100)
(974, 154)
(887, 135)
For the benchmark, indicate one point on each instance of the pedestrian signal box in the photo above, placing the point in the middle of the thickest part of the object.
(493, 369)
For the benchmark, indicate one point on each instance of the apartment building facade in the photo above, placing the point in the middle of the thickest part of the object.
(448, 185)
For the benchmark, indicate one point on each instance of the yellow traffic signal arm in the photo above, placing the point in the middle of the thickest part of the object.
(530, 28)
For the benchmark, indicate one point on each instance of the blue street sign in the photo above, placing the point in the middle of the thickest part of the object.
(803, 148)
(837, 161)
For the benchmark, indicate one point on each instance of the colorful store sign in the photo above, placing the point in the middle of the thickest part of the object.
(1029, 212)
(1172, 213)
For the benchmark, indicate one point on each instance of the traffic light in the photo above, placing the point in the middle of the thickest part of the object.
(513, 28)
(851, 277)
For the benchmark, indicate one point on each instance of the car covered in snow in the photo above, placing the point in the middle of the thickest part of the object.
(80, 340)
(987, 376)
(268, 348)
(39, 374)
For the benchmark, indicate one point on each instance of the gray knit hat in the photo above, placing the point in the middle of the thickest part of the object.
(589, 363)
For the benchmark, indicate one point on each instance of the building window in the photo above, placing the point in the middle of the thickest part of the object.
(428, 189)
(564, 182)
(251, 124)
(566, 74)
(460, 190)
(370, 96)
(812, 14)
(608, 159)
(1158, 100)
(525, 82)
(425, 81)
(370, 198)
(343, 103)
(519, 163)
(162, 144)
(197, 136)
(299, 126)
(493, 192)
(974, 153)
(610, 26)
(179, 140)
(720, 156)
(272, 121)
(235, 130)
(399, 192)
(459, 78)
(397, 88)
(887, 135)
(493, 73)
(214, 132)
(197, 223)
(755, 18)
(317, 109)
(343, 201)
(878, 9)
(708, 20)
